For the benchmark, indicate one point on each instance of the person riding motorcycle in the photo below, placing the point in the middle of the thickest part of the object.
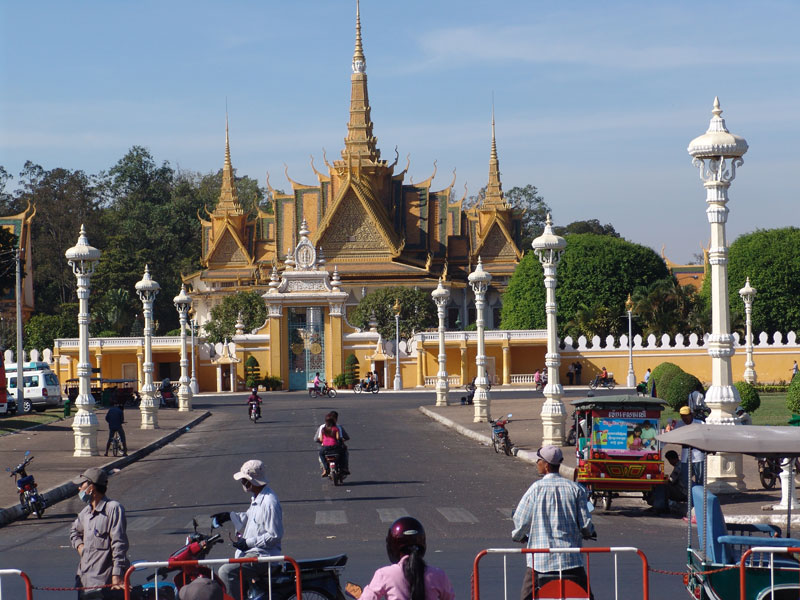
(166, 391)
(408, 576)
(345, 453)
(317, 383)
(602, 377)
(331, 440)
(256, 399)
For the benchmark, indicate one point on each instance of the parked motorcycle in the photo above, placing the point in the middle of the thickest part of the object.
(769, 471)
(603, 383)
(324, 390)
(29, 496)
(335, 472)
(500, 438)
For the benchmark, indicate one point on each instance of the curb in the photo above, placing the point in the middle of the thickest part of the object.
(70, 488)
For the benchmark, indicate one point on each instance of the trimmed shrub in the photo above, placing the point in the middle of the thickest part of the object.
(661, 376)
(351, 370)
(340, 380)
(793, 395)
(750, 398)
(678, 388)
(272, 383)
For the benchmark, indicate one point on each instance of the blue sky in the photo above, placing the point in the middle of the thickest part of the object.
(595, 102)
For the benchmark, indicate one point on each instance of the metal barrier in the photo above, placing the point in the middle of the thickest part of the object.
(171, 564)
(772, 551)
(612, 550)
(25, 579)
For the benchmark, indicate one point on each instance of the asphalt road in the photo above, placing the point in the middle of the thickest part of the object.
(402, 463)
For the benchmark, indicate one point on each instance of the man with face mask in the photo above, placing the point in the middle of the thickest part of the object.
(259, 530)
(99, 535)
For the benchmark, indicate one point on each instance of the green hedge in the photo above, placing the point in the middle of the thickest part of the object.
(750, 398)
(793, 395)
(660, 377)
(678, 389)
(351, 369)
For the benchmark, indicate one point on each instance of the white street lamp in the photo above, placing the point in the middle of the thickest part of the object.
(148, 289)
(83, 258)
(398, 381)
(747, 294)
(193, 384)
(631, 383)
(440, 296)
(182, 303)
(549, 248)
(716, 154)
(479, 280)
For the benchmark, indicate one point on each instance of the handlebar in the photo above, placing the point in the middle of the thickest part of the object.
(20, 466)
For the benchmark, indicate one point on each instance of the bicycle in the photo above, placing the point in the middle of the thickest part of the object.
(116, 444)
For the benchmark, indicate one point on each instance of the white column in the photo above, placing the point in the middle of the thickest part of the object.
(479, 281)
(398, 381)
(747, 294)
(219, 378)
(193, 381)
(631, 381)
(440, 296)
(148, 289)
(182, 302)
(83, 258)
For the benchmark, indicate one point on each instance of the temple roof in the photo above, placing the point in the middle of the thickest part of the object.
(228, 198)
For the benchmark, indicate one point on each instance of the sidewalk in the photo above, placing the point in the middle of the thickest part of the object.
(525, 430)
(52, 445)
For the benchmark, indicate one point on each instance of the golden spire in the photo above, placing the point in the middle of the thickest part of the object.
(228, 198)
(494, 189)
(360, 140)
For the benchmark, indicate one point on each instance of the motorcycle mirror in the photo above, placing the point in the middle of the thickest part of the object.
(510, 415)
(27, 452)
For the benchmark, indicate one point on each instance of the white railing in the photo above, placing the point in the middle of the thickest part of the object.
(452, 380)
(522, 378)
(460, 336)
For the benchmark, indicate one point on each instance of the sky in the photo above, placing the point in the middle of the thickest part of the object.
(595, 102)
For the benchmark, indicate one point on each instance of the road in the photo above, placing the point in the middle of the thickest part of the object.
(402, 463)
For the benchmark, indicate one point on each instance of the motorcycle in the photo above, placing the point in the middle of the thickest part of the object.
(769, 470)
(500, 438)
(29, 496)
(324, 390)
(335, 472)
(540, 385)
(604, 383)
(167, 397)
(252, 410)
(362, 386)
(319, 577)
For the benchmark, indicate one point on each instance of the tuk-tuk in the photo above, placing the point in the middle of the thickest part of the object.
(745, 561)
(616, 446)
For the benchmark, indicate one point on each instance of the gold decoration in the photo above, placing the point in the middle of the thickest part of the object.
(316, 348)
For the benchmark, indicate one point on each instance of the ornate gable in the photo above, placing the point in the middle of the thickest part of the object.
(497, 244)
(228, 251)
(353, 232)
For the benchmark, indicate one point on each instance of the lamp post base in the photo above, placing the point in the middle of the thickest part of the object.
(631, 381)
(184, 398)
(441, 392)
(725, 473)
(149, 411)
(481, 401)
(553, 422)
(84, 426)
(194, 387)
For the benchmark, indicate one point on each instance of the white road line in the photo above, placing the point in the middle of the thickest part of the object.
(457, 515)
(390, 515)
(331, 517)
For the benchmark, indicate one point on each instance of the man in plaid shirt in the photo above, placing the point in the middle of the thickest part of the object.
(553, 513)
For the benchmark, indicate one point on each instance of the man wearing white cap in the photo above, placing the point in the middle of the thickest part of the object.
(553, 513)
(260, 529)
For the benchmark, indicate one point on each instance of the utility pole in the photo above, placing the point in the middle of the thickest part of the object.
(20, 351)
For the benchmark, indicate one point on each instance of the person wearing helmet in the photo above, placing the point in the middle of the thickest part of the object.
(408, 577)
(743, 416)
(254, 397)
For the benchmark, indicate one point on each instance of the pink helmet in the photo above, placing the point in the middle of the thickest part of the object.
(404, 534)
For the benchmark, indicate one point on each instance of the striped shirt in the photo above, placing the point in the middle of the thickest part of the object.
(552, 514)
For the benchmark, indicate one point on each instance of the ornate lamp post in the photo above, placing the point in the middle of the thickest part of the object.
(83, 258)
(549, 248)
(148, 289)
(716, 154)
(398, 381)
(182, 303)
(631, 382)
(747, 294)
(193, 382)
(440, 296)
(479, 281)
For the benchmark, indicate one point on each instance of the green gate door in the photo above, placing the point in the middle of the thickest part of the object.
(306, 346)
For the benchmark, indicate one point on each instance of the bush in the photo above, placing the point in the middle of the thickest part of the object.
(351, 370)
(340, 380)
(272, 383)
(678, 388)
(252, 371)
(660, 377)
(174, 332)
(793, 395)
(750, 398)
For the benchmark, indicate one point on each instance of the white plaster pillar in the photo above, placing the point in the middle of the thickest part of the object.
(440, 296)
(748, 293)
(182, 303)
(479, 281)
(148, 289)
(219, 378)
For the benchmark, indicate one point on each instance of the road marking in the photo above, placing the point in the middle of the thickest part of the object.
(390, 515)
(506, 512)
(143, 523)
(331, 517)
(457, 515)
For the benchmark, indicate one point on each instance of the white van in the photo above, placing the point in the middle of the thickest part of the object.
(41, 387)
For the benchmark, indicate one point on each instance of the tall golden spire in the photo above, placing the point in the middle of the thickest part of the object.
(494, 189)
(360, 142)
(228, 198)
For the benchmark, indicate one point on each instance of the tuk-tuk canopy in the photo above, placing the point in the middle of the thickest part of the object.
(622, 401)
(755, 440)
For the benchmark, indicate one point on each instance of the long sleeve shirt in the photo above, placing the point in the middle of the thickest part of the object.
(102, 531)
(261, 527)
(553, 514)
(389, 583)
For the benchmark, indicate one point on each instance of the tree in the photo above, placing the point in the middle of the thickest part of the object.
(8, 263)
(224, 316)
(42, 329)
(664, 306)
(536, 209)
(594, 270)
(417, 311)
(588, 226)
(596, 319)
(114, 312)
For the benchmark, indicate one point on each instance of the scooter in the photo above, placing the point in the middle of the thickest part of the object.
(500, 438)
(604, 383)
(335, 472)
(252, 410)
(29, 496)
(323, 390)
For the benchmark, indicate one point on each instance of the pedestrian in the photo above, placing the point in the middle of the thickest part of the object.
(578, 369)
(259, 530)
(794, 369)
(647, 375)
(408, 577)
(115, 417)
(570, 373)
(100, 537)
(553, 513)
(697, 456)
(696, 401)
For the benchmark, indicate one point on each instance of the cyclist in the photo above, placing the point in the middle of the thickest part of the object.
(115, 417)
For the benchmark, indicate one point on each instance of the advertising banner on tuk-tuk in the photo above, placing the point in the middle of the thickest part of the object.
(625, 432)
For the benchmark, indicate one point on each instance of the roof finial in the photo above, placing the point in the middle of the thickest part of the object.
(717, 111)
(228, 197)
(494, 141)
(359, 61)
